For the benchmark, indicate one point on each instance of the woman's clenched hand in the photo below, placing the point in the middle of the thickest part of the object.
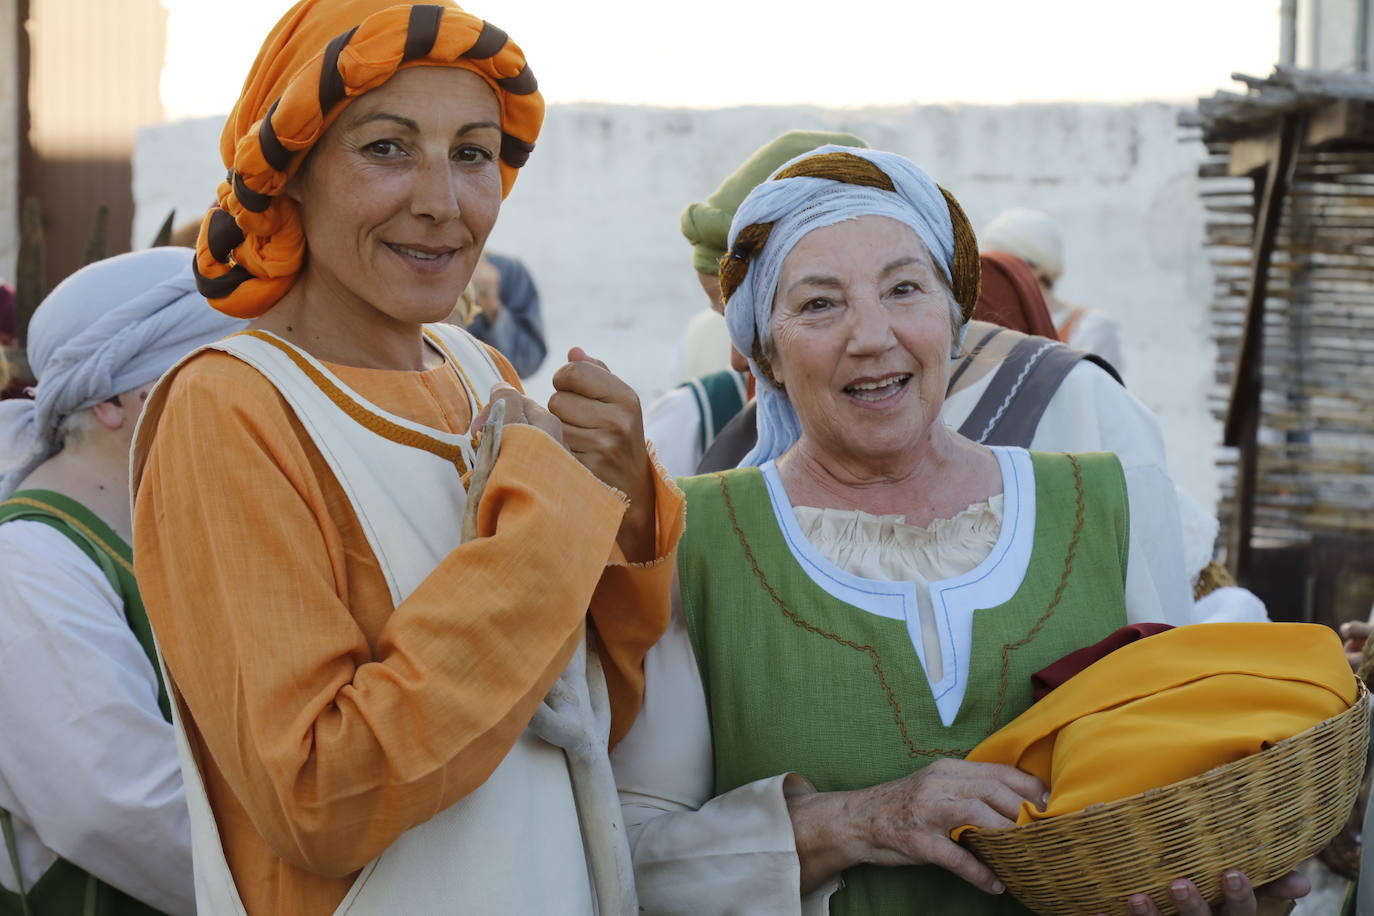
(519, 409)
(604, 429)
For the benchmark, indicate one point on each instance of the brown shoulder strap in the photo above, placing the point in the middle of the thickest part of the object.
(969, 358)
(733, 442)
(1010, 409)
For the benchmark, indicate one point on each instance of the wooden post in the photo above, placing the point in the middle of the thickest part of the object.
(29, 288)
(164, 234)
(1243, 413)
(99, 242)
(28, 157)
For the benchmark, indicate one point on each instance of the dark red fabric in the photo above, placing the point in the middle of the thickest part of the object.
(1011, 296)
(1046, 679)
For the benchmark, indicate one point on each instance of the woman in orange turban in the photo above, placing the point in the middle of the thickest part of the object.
(360, 696)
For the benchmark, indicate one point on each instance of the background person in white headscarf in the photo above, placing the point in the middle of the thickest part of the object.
(1034, 237)
(89, 778)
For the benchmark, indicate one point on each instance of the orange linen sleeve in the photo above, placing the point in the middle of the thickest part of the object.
(632, 605)
(333, 742)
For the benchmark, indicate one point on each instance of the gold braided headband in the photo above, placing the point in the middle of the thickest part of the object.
(966, 272)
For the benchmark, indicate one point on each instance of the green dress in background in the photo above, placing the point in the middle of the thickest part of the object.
(65, 889)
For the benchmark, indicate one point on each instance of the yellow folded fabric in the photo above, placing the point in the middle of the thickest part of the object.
(1172, 706)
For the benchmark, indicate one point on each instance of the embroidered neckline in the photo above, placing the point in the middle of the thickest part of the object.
(913, 750)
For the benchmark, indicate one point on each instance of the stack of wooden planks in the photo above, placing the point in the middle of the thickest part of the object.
(1314, 443)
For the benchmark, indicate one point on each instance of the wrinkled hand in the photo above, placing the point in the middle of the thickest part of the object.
(604, 429)
(908, 821)
(1240, 898)
(519, 409)
(1356, 634)
(914, 815)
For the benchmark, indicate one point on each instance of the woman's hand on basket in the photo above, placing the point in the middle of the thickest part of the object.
(1240, 898)
(604, 429)
(519, 409)
(908, 821)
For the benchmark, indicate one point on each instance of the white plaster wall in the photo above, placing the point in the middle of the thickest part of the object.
(1329, 34)
(595, 215)
(9, 144)
(176, 166)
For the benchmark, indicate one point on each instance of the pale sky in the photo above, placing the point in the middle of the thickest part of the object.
(844, 53)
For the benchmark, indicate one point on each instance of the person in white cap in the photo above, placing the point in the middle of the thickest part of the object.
(93, 810)
(1033, 236)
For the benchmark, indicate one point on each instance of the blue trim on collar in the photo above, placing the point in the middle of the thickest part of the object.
(897, 600)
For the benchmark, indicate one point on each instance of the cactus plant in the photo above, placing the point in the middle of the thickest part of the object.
(28, 286)
(99, 240)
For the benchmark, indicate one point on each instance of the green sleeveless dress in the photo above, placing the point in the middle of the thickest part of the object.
(65, 889)
(797, 680)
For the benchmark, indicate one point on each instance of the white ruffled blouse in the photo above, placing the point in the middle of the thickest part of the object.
(885, 548)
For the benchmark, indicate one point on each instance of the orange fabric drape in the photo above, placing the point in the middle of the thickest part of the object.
(1011, 296)
(1173, 706)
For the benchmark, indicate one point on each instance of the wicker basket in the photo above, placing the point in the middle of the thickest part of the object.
(1262, 814)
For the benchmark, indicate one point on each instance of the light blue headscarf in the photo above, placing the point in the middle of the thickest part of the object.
(111, 327)
(797, 206)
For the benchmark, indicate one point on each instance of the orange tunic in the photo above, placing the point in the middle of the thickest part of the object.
(327, 721)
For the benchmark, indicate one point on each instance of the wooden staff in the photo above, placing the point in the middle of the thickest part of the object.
(576, 717)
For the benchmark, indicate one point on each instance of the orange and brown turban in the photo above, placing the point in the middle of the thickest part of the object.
(322, 55)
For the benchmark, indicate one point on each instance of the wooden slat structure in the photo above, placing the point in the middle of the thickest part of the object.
(1288, 188)
(91, 78)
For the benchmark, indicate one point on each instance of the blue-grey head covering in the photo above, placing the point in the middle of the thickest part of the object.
(797, 206)
(111, 327)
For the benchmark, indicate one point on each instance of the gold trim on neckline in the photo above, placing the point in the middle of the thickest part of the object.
(457, 364)
(368, 419)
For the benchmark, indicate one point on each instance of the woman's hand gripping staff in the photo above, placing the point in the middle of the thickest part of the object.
(519, 409)
(604, 429)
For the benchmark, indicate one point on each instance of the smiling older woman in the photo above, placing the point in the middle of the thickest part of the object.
(861, 609)
(356, 688)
